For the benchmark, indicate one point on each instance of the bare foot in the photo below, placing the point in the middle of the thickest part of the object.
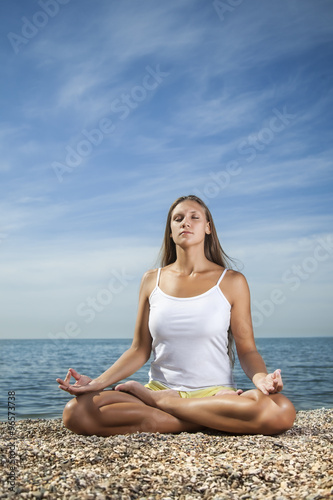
(146, 395)
(230, 392)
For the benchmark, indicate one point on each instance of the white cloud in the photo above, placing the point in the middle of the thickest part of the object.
(225, 79)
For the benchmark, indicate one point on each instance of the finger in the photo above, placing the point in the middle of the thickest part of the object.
(278, 383)
(271, 386)
(279, 386)
(71, 391)
(274, 388)
(63, 387)
(264, 390)
(278, 380)
(75, 374)
(60, 381)
(273, 380)
(68, 377)
(269, 382)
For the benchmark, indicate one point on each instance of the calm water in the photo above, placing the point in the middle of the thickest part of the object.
(30, 367)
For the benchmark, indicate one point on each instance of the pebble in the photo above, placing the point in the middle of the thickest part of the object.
(53, 463)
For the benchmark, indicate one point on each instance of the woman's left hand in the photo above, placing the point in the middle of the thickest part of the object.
(270, 383)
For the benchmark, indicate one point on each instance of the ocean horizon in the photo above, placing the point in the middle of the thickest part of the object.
(30, 367)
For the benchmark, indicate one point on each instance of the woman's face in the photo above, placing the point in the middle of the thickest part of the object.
(188, 223)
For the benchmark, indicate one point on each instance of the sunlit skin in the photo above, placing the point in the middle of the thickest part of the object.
(132, 407)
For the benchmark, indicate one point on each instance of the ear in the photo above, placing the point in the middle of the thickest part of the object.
(208, 229)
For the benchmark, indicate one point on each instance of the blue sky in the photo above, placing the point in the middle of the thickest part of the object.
(111, 110)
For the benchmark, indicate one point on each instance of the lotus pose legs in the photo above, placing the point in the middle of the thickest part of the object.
(139, 409)
(250, 412)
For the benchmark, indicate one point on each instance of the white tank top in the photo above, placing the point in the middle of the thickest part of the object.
(190, 339)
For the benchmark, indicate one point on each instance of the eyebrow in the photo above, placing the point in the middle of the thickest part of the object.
(191, 212)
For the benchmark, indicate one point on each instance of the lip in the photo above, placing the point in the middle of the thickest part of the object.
(186, 232)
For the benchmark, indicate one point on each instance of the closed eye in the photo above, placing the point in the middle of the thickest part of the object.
(179, 217)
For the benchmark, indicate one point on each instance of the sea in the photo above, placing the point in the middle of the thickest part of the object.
(29, 369)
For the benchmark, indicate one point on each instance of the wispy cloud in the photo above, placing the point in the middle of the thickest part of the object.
(209, 127)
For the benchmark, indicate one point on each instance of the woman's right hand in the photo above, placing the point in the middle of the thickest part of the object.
(82, 385)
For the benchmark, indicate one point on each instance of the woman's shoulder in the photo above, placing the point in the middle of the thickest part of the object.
(235, 286)
(148, 281)
(235, 277)
(150, 274)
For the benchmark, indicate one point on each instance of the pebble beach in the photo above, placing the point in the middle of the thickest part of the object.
(51, 462)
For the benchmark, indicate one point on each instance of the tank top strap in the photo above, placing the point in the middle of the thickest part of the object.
(158, 276)
(221, 277)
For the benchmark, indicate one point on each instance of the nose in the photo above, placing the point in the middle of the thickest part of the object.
(185, 222)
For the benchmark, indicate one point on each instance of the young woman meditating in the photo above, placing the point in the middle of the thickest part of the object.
(190, 310)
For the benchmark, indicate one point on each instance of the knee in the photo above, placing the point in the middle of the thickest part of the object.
(73, 417)
(287, 413)
(280, 416)
(69, 415)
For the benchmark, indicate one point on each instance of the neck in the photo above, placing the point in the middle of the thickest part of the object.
(190, 260)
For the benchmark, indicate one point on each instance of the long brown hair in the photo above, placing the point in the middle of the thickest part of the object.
(212, 247)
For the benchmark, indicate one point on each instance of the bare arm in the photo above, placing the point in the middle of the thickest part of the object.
(129, 362)
(241, 326)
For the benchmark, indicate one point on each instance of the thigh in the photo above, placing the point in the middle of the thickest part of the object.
(278, 398)
(93, 401)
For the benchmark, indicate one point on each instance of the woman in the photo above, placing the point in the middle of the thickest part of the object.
(187, 310)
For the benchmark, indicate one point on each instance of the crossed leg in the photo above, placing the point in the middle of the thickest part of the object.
(142, 410)
(250, 412)
(107, 413)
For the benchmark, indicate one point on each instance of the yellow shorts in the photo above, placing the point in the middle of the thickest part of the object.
(199, 393)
